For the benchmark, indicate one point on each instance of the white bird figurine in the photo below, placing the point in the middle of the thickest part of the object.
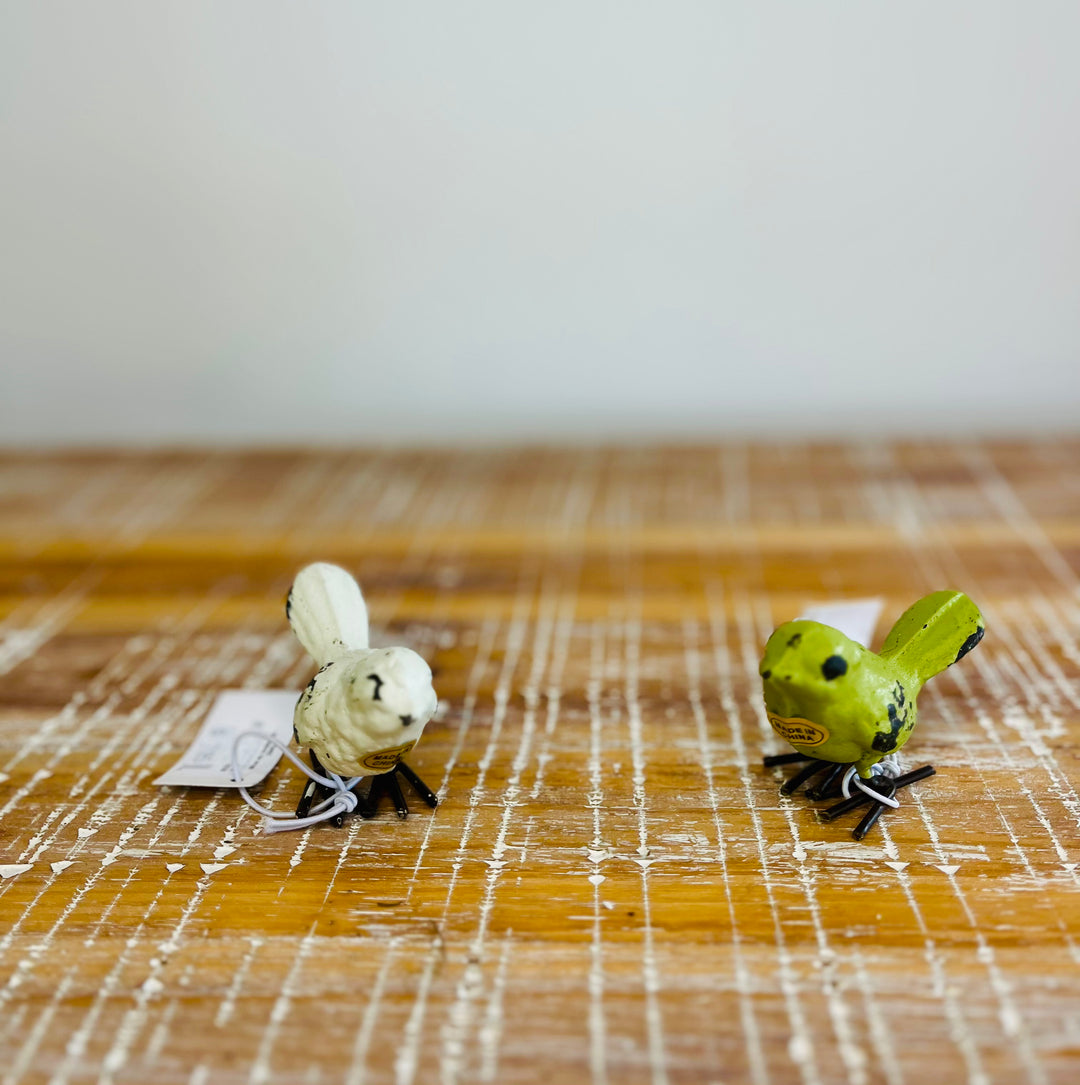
(366, 707)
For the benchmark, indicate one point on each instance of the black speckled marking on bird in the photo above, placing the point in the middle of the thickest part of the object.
(885, 741)
(377, 695)
(795, 640)
(311, 685)
(288, 606)
(970, 643)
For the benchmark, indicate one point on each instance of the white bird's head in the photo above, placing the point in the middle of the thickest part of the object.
(391, 688)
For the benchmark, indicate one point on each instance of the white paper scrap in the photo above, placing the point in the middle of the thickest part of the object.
(855, 618)
(207, 762)
(10, 870)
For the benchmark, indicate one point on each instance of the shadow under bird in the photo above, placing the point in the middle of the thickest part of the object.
(366, 707)
(848, 711)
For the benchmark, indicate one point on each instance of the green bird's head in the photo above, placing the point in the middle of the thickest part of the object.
(807, 663)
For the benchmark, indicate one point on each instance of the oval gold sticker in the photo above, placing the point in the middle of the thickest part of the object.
(797, 731)
(385, 760)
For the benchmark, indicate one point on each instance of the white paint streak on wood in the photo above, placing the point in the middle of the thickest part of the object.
(165, 725)
(482, 658)
(917, 531)
(594, 691)
(801, 1049)
(405, 1065)
(356, 1073)
(491, 1030)
(1008, 1012)
(160, 1032)
(126, 733)
(879, 1026)
(408, 1052)
(81, 1036)
(213, 672)
(100, 687)
(959, 1029)
(228, 1004)
(755, 1054)
(654, 1022)
(146, 507)
(456, 1029)
(260, 1068)
(828, 962)
(134, 1020)
(1004, 499)
(1007, 502)
(19, 644)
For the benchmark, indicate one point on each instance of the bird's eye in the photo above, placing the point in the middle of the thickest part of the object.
(833, 667)
(405, 720)
(376, 696)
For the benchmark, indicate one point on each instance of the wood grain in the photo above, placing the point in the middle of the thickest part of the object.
(612, 889)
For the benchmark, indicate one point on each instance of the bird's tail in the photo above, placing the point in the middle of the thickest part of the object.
(327, 611)
(934, 633)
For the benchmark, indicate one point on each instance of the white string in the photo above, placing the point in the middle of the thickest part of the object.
(343, 801)
(889, 770)
(889, 766)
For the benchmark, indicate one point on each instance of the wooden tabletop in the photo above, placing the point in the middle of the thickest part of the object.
(612, 889)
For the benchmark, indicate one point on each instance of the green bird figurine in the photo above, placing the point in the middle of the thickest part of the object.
(847, 710)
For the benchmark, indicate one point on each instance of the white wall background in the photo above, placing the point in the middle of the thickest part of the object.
(421, 220)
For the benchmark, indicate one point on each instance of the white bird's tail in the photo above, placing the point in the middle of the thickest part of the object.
(327, 612)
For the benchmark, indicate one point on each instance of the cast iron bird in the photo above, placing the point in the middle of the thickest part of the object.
(365, 708)
(846, 709)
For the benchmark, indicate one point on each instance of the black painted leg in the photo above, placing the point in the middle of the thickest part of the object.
(828, 785)
(869, 820)
(813, 766)
(775, 759)
(313, 792)
(388, 785)
(883, 784)
(393, 789)
(369, 795)
(811, 769)
(368, 804)
(418, 785)
(307, 797)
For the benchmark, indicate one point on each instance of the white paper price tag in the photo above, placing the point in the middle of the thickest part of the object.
(207, 762)
(856, 618)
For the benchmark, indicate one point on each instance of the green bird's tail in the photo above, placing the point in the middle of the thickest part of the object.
(933, 634)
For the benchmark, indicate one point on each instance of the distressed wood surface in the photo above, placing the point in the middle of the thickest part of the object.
(612, 889)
